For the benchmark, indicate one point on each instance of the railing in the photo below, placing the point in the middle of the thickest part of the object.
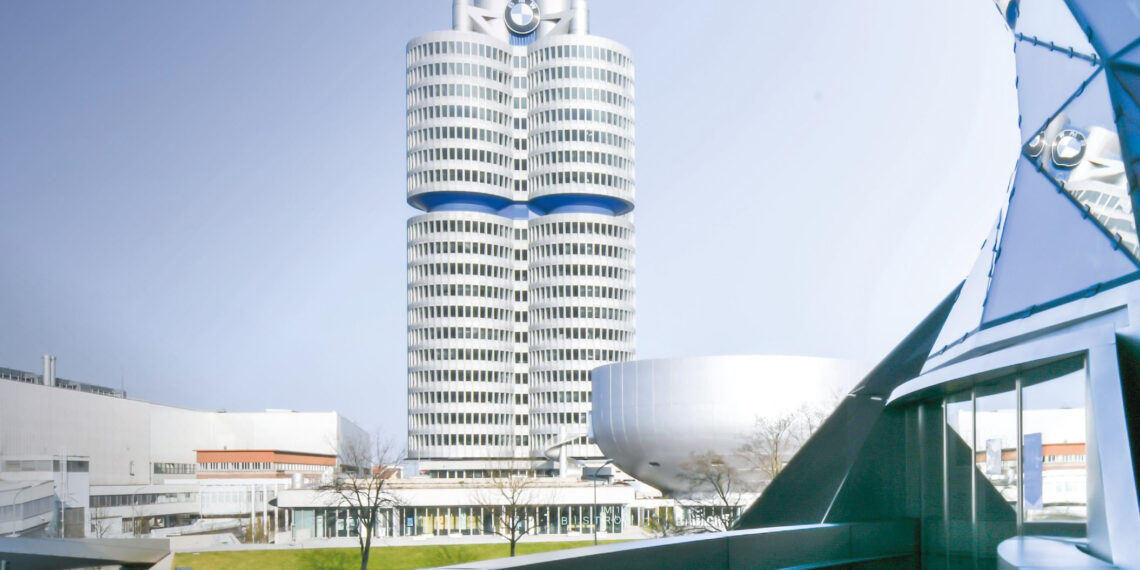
(804, 546)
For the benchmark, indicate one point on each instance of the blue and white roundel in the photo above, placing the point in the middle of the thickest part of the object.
(522, 16)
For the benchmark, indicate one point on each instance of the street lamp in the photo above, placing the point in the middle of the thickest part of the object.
(594, 509)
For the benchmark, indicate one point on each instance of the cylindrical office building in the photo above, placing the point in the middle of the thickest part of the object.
(521, 270)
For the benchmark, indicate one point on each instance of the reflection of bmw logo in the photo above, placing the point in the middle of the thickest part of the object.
(1068, 148)
(522, 16)
(1035, 145)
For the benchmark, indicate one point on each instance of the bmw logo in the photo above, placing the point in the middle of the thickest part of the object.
(522, 16)
(1068, 148)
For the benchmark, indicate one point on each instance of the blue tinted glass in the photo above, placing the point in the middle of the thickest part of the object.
(1051, 21)
(1048, 249)
(1113, 23)
(1131, 56)
(1045, 80)
(1080, 149)
(966, 314)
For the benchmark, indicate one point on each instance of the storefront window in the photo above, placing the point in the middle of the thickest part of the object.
(1053, 450)
(1007, 447)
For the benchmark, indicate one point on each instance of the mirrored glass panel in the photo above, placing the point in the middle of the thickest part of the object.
(1053, 432)
(995, 457)
(1080, 149)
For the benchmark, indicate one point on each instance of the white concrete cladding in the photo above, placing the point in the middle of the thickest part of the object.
(581, 118)
(125, 438)
(652, 416)
(581, 314)
(520, 151)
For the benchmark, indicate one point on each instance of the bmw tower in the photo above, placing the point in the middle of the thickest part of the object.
(520, 149)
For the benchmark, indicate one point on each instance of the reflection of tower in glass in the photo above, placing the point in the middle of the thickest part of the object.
(1087, 163)
(520, 271)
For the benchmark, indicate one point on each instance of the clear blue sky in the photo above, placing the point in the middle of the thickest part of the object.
(206, 199)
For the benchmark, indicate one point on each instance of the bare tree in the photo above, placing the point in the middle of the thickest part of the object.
(511, 496)
(101, 522)
(140, 519)
(366, 467)
(770, 444)
(716, 491)
(663, 522)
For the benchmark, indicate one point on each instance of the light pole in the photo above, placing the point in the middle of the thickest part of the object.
(15, 501)
(594, 509)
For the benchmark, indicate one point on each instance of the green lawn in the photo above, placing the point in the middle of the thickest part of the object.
(383, 558)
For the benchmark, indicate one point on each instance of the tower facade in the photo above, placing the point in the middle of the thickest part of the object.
(521, 266)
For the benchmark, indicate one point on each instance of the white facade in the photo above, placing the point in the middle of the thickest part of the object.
(140, 458)
(521, 270)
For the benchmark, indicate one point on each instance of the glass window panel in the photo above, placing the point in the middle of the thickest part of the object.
(995, 456)
(1080, 149)
(960, 480)
(1046, 79)
(1053, 428)
(1051, 21)
(1114, 24)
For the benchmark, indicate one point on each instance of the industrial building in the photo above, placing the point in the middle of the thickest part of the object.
(78, 462)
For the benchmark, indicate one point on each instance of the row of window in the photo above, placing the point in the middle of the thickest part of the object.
(458, 418)
(27, 510)
(564, 354)
(457, 112)
(546, 439)
(579, 248)
(426, 227)
(609, 181)
(585, 52)
(563, 397)
(483, 439)
(586, 72)
(417, 336)
(610, 313)
(596, 333)
(235, 466)
(436, 90)
(424, 270)
(425, 377)
(135, 499)
(173, 468)
(582, 157)
(580, 292)
(560, 418)
(452, 68)
(417, 137)
(458, 48)
(552, 136)
(420, 314)
(416, 357)
(580, 270)
(416, 179)
(462, 397)
(422, 292)
(44, 465)
(547, 229)
(580, 94)
(590, 115)
(421, 157)
(544, 377)
(475, 247)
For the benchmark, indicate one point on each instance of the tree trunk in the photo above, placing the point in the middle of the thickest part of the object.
(364, 552)
(513, 542)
